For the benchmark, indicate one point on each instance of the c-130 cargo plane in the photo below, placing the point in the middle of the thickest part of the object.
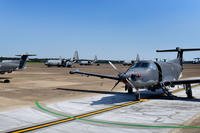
(13, 65)
(152, 75)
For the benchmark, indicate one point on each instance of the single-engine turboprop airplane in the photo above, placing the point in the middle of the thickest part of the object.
(152, 75)
(13, 65)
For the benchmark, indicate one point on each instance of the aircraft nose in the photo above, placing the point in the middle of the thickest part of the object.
(134, 76)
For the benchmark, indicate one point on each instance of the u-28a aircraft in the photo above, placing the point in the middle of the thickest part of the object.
(152, 75)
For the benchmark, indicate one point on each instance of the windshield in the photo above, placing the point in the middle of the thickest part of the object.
(141, 65)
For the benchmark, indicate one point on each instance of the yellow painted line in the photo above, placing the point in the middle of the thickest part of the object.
(77, 117)
(86, 115)
(43, 125)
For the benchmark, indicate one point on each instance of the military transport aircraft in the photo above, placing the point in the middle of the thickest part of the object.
(131, 62)
(59, 63)
(84, 61)
(63, 62)
(13, 65)
(88, 62)
(152, 75)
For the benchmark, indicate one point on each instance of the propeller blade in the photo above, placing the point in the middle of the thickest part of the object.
(130, 83)
(115, 85)
(128, 69)
(114, 67)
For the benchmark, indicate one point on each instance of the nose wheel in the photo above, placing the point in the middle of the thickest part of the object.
(130, 91)
(137, 94)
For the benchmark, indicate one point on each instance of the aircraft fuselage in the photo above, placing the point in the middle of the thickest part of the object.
(149, 74)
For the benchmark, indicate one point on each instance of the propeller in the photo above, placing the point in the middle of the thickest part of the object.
(121, 76)
(115, 85)
(115, 68)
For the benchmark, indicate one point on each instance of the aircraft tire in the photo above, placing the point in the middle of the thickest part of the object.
(6, 81)
(137, 96)
(188, 91)
(130, 90)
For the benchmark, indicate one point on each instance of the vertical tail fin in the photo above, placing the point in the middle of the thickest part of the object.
(137, 58)
(75, 57)
(95, 58)
(180, 52)
(23, 60)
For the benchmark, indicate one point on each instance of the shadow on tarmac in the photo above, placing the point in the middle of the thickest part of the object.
(120, 97)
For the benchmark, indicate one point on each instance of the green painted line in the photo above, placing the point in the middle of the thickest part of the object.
(116, 123)
(49, 111)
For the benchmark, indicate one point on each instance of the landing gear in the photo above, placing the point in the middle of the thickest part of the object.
(129, 88)
(188, 90)
(130, 91)
(167, 92)
(6, 81)
(137, 94)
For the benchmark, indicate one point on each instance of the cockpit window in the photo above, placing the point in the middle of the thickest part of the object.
(141, 65)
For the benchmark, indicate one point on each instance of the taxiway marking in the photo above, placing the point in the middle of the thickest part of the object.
(76, 117)
(85, 115)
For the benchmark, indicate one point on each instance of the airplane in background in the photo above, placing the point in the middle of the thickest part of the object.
(196, 60)
(152, 75)
(88, 62)
(63, 62)
(84, 61)
(128, 62)
(9, 66)
(59, 63)
(69, 62)
(131, 62)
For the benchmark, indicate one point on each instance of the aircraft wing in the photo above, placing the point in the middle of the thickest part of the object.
(180, 82)
(95, 75)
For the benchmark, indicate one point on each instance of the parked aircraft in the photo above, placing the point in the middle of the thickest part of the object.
(63, 62)
(131, 62)
(127, 62)
(13, 65)
(152, 75)
(196, 60)
(59, 63)
(84, 61)
(88, 62)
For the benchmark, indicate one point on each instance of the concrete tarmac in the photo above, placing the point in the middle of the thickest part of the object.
(158, 111)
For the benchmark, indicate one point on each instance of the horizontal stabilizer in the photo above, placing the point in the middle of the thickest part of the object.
(26, 55)
(179, 50)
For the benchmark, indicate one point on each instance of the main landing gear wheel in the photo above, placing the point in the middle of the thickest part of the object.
(6, 81)
(188, 90)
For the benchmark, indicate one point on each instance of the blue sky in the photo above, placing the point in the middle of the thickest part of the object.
(110, 29)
